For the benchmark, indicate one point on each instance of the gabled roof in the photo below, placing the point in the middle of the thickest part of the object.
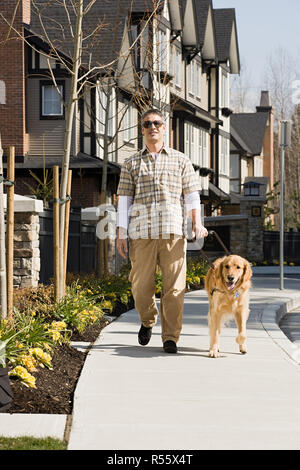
(249, 129)
(102, 47)
(201, 13)
(176, 10)
(226, 37)
(198, 19)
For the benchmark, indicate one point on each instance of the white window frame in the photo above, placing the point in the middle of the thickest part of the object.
(162, 51)
(129, 128)
(178, 65)
(61, 113)
(192, 78)
(198, 80)
(224, 92)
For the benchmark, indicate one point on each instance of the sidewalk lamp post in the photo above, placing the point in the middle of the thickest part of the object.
(285, 141)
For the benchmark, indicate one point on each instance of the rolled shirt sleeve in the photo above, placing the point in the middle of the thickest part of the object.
(190, 182)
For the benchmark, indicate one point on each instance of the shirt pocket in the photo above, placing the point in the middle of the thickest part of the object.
(144, 184)
(171, 181)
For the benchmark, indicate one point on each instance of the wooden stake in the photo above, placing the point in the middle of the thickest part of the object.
(10, 232)
(66, 234)
(56, 231)
(3, 283)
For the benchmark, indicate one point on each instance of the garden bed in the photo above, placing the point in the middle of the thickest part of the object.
(52, 386)
(55, 388)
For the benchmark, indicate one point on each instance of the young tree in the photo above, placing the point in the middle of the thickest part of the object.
(73, 35)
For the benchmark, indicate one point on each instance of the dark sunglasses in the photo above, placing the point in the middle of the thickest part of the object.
(148, 124)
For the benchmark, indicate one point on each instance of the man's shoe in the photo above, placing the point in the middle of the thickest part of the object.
(170, 347)
(144, 335)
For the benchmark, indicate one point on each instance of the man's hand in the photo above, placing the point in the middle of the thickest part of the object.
(122, 242)
(199, 230)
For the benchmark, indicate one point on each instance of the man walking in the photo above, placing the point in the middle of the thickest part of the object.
(154, 186)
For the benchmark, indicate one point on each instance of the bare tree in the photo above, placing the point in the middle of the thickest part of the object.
(243, 96)
(64, 26)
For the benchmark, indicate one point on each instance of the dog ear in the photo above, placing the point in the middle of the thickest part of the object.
(247, 271)
(218, 264)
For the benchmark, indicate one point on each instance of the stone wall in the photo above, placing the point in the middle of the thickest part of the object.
(238, 232)
(26, 249)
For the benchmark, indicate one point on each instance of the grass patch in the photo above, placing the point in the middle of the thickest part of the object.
(31, 443)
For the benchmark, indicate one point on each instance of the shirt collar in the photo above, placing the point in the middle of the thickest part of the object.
(165, 149)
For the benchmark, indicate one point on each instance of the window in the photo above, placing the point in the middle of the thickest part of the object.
(103, 109)
(44, 62)
(171, 66)
(224, 91)
(129, 126)
(192, 78)
(178, 68)
(205, 163)
(203, 148)
(200, 148)
(198, 81)
(223, 155)
(162, 51)
(52, 100)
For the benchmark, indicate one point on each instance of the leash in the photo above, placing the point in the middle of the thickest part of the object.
(204, 255)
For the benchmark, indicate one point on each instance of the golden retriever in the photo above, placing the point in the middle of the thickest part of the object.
(228, 287)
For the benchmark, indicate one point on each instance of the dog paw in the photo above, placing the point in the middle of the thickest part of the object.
(214, 353)
(243, 349)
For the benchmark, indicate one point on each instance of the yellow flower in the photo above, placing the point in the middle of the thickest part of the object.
(292, 264)
(89, 291)
(56, 336)
(42, 357)
(58, 325)
(27, 361)
(33, 314)
(27, 379)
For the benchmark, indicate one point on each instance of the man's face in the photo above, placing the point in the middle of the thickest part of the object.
(154, 132)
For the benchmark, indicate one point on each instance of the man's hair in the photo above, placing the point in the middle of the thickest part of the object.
(152, 111)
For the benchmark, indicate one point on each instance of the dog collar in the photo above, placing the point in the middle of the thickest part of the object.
(236, 295)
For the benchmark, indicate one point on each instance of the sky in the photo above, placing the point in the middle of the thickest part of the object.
(263, 26)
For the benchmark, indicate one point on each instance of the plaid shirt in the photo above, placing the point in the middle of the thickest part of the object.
(158, 186)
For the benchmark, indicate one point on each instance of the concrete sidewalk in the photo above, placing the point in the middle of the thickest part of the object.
(132, 397)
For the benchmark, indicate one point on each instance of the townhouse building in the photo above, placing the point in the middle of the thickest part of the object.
(177, 57)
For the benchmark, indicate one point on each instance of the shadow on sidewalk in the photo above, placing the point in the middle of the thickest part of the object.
(140, 352)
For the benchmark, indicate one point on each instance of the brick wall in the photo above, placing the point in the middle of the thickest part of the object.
(12, 58)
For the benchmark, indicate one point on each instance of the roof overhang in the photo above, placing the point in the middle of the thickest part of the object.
(209, 46)
(80, 161)
(175, 14)
(189, 32)
(234, 56)
(194, 111)
(215, 191)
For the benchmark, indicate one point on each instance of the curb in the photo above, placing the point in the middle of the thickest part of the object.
(33, 425)
(275, 270)
(270, 320)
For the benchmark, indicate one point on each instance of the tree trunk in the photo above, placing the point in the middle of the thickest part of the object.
(3, 286)
(67, 142)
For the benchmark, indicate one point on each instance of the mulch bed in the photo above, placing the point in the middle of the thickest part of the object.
(55, 388)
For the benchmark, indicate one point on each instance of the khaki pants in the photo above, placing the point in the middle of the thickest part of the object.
(170, 255)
